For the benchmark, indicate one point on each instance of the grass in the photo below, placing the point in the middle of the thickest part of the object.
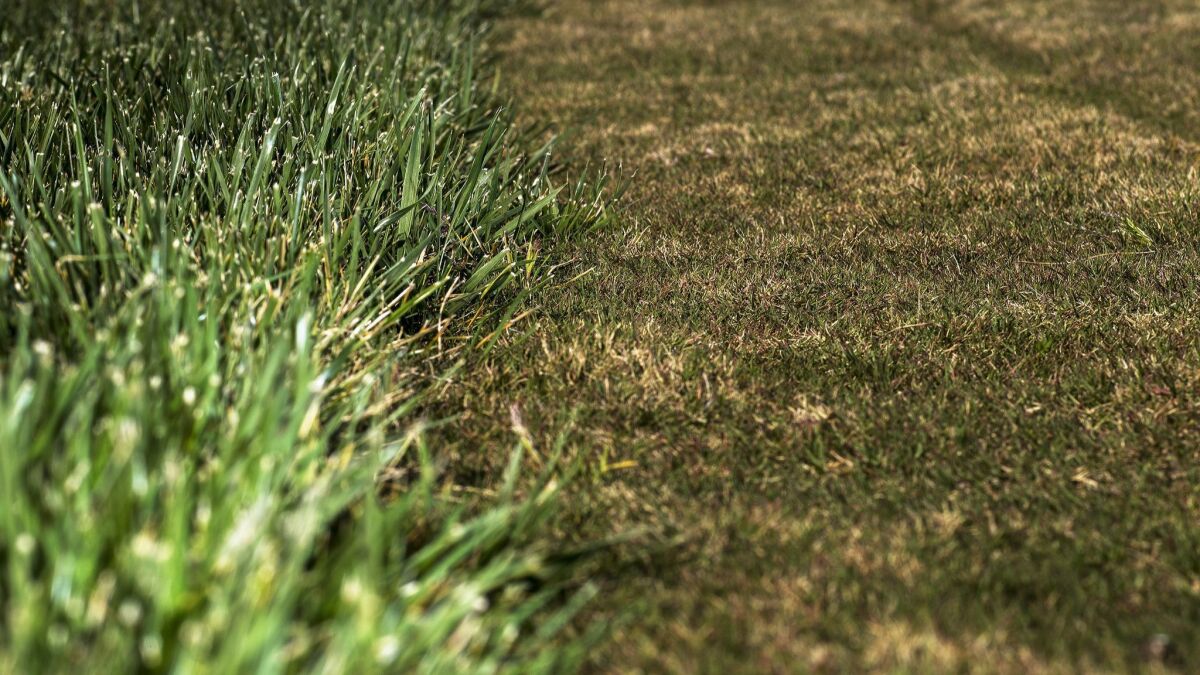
(897, 334)
(888, 364)
(240, 245)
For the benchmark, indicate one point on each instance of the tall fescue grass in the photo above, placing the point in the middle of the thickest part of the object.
(238, 240)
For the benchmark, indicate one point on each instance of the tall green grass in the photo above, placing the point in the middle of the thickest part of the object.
(238, 240)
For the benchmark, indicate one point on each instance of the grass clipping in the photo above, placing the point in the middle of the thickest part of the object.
(236, 240)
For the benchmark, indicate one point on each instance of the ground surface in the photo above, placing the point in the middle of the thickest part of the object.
(899, 334)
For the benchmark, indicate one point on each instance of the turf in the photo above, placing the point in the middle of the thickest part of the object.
(893, 356)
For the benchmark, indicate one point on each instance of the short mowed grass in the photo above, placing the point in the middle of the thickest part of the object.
(241, 242)
(895, 352)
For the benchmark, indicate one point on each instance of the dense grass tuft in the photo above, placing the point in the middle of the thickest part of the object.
(237, 239)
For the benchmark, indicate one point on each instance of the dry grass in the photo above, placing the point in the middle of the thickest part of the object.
(897, 335)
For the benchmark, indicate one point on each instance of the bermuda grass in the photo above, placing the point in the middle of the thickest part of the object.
(240, 244)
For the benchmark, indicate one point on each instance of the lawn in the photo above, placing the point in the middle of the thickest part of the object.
(893, 356)
(881, 353)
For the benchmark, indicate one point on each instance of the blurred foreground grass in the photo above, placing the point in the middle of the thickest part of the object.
(239, 240)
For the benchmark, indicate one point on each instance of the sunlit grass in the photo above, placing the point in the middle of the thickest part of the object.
(236, 240)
